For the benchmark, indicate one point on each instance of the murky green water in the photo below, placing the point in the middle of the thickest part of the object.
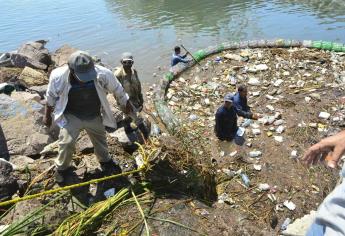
(150, 29)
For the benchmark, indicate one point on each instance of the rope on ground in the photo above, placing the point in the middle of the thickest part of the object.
(73, 186)
(69, 187)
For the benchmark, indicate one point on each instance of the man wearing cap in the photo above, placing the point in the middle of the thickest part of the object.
(226, 128)
(128, 77)
(77, 94)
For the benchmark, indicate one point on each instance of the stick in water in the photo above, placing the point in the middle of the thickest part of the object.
(190, 54)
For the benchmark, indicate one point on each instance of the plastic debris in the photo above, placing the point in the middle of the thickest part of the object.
(270, 107)
(289, 205)
(279, 139)
(280, 129)
(257, 167)
(264, 187)
(293, 154)
(232, 154)
(109, 193)
(224, 198)
(324, 115)
(254, 154)
(228, 172)
(254, 81)
(193, 117)
(285, 224)
(245, 179)
(256, 131)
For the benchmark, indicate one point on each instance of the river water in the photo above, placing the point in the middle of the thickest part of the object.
(150, 29)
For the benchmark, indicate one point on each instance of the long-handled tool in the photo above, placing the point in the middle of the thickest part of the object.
(190, 54)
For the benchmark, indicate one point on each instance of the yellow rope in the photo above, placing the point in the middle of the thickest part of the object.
(65, 188)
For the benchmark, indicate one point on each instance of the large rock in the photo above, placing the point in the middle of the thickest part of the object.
(41, 90)
(31, 77)
(53, 214)
(61, 55)
(21, 61)
(128, 140)
(20, 162)
(32, 54)
(84, 144)
(25, 96)
(9, 73)
(36, 51)
(21, 123)
(8, 184)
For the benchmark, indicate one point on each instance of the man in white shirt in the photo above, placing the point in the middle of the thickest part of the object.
(76, 95)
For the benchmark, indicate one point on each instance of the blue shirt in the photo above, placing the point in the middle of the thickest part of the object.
(175, 59)
(226, 123)
(241, 106)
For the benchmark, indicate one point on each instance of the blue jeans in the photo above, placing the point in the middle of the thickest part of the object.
(316, 230)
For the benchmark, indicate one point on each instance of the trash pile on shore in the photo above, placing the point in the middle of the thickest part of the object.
(300, 94)
(190, 185)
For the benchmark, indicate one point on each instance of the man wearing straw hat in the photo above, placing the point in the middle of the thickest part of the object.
(77, 95)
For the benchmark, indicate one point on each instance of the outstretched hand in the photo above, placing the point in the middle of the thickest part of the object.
(331, 149)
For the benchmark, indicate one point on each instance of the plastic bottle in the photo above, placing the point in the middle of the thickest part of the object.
(285, 224)
(245, 179)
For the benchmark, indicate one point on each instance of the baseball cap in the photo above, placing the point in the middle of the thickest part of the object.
(127, 56)
(228, 97)
(82, 65)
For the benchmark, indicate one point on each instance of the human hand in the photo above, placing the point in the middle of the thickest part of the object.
(256, 116)
(330, 149)
(128, 108)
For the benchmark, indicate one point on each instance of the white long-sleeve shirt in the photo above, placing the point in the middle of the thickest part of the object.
(106, 82)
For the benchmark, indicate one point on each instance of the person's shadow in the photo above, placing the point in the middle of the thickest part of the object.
(84, 194)
(3, 146)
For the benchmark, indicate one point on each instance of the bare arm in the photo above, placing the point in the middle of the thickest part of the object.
(332, 147)
(47, 119)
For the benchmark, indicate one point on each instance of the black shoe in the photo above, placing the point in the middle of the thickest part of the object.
(109, 167)
(59, 176)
